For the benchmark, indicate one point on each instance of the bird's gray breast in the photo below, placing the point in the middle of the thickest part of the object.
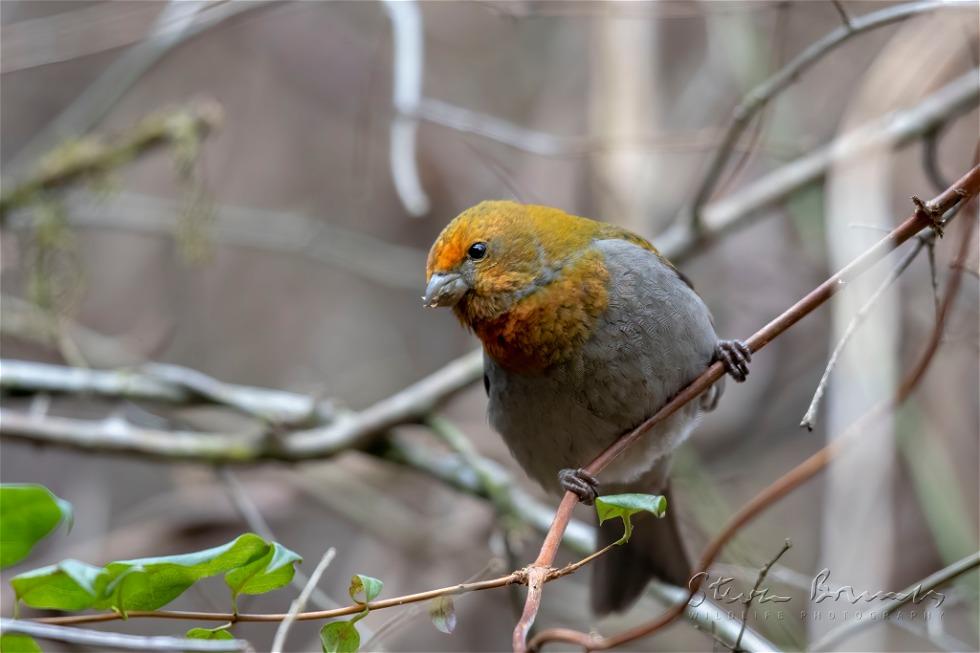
(654, 337)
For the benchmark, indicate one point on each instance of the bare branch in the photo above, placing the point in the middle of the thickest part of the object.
(102, 640)
(346, 430)
(919, 589)
(295, 233)
(409, 54)
(178, 22)
(747, 204)
(279, 641)
(91, 156)
(759, 96)
(541, 143)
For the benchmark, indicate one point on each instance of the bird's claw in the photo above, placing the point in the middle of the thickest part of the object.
(580, 483)
(735, 356)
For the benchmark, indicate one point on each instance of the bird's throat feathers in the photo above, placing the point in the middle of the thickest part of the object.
(530, 331)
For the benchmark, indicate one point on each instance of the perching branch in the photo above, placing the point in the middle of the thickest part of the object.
(760, 96)
(959, 195)
(102, 640)
(964, 189)
(91, 156)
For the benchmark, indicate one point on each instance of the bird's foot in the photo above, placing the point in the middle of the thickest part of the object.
(580, 483)
(735, 356)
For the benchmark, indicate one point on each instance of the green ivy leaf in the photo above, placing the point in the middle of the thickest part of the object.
(443, 614)
(17, 643)
(151, 583)
(69, 585)
(221, 632)
(272, 571)
(254, 565)
(340, 637)
(625, 506)
(367, 586)
(27, 514)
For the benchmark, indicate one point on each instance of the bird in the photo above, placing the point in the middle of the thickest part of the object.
(586, 331)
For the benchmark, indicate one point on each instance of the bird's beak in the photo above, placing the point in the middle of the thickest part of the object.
(444, 289)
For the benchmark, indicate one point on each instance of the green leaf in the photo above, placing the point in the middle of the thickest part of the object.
(250, 563)
(151, 583)
(340, 637)
(625, 506)
(27, 514)
(69, 585)
(443, 614)
(270, 572)
(367, 586)
(221, 632)
(17, 643)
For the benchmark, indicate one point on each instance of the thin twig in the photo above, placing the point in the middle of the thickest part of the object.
(964, 189)
(755, 590)
(810, 418)
(759, 96)
(296, 233)
(845, 18)
(178, 22)
(357, 608)
(917, 590)
(930, 158)
(92, 156)
(279, 641)
(102, 640)
(933, 275)
(494, 566)
(519, 576)
(747, 204)
(533, 141)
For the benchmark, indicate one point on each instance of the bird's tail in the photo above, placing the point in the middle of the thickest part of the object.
(654, 550)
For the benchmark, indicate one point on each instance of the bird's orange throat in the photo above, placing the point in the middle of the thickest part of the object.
(547, 325)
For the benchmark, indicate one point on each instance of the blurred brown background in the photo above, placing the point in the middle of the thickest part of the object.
(286, 259)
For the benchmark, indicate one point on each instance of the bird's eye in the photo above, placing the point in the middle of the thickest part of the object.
(477, 251)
